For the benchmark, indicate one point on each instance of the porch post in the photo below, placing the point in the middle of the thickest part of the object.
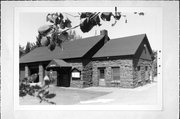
(41, 74)
(26, 71)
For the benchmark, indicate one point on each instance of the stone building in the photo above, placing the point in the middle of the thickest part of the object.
(93, 61)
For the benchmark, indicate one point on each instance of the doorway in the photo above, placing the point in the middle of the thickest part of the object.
(101, 75)
(63, 76)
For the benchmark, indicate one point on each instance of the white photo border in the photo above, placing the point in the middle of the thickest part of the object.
(19, 10)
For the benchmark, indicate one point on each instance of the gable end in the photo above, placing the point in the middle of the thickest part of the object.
(144, 50)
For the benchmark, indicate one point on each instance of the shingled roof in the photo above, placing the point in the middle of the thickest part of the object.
(79, 48)
(58, 63)
(121, 46)
(72, 49)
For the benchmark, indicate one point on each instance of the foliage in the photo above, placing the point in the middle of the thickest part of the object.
(35, 90)
(21, 51)
(73, 36)
(28, 47)
(55, 34)
(24, 50)
(155, 63)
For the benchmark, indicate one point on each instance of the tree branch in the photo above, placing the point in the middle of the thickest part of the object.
(79, 24)
(71, 15)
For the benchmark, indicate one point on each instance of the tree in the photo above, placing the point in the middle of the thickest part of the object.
(155, 63)
(28, 47)
(55, 34)
(73, 36)
(21, 50)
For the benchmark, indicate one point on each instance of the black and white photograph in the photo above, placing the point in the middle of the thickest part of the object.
(90, 58)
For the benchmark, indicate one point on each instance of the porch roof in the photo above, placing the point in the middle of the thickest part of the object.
(58, 63)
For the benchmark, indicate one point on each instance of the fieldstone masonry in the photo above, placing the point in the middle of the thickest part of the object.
(26, 71)
(126, 72)
(130, 76)
(87, 73)
(142, 76)
(77, 83)
(41, 74)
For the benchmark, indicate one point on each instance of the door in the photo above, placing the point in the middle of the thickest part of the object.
(101, 75)
(63, 76)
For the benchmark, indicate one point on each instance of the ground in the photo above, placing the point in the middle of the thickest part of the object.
(146, 94)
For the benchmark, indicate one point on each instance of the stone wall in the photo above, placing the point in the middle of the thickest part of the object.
(27, 72)
(142, 76)
(77, 83)
(126, 72)
(76, 65)
(41, 74)
(87, 72)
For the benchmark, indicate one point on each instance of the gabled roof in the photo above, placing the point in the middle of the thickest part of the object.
(58, 63)
(121, 46)
(72, 49)
(78, 48)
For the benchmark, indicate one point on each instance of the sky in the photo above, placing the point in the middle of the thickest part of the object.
(150, 24)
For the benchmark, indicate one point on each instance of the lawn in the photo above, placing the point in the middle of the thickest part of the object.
(65, 96)
(146, 94)
(143, 95)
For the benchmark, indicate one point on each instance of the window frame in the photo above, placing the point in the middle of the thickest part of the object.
(99, 74)
(114, 79)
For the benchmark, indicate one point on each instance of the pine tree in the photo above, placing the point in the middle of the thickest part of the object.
(28, 47)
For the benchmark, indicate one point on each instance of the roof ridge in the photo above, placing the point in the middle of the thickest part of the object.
(121, 46)
(71, 49)
(129, 36)
(83, 38)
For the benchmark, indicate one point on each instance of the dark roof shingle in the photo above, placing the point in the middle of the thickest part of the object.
(77, 49)
(72, 49)
(58, 63)
(120, 46)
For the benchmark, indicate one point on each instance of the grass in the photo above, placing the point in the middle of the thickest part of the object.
(65, 96)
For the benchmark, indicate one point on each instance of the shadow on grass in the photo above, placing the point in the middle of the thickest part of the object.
(52, 95)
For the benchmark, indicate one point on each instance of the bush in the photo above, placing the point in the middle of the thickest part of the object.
(40, 92)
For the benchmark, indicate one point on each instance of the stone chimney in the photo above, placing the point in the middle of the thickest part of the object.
(104, 32)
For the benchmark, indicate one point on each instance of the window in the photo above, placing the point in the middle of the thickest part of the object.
(116, 73)
(101, 73)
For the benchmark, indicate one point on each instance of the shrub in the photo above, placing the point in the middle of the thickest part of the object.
(41, 92)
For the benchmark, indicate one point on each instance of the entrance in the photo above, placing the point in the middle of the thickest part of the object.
(63, 71)
(64, 76)
(101, 75)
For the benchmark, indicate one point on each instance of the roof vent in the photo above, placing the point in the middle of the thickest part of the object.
(104, 32)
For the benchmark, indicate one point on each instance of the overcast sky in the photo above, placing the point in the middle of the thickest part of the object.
(150, 23)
